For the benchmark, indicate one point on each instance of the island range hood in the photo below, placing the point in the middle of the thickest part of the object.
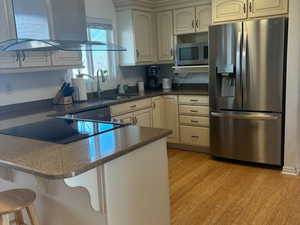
(45, 25)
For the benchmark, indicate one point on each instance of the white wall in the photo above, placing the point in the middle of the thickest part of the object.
(26, 87)
(292, 140)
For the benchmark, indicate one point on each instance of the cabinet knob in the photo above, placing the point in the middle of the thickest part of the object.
(244, 8)
(193, 23)
(197, 23)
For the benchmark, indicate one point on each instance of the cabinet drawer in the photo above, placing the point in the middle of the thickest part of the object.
(194, 121)
(193, 100)
(198, 136)
(193, 110)
(130, 107)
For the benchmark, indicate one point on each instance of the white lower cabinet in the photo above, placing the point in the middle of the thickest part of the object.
(171, 117)
(158, 115)
(186, 116)
(143, 118)
(194, 120)
(198, 136)
(126, 118)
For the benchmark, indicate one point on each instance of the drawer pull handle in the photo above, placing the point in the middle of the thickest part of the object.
(194, 111)
(195, 136)
(194, 121)
(133, 106)
(194, 100)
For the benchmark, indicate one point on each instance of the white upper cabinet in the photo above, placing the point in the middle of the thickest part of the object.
(227, 10)
(190, 20)
(63, 58)
(203, 18)
(143, 30)
(184, 21)
(230, 10)
(165, 35)
(10, 59)
(136, 34)
(259, 8)
(27, 59)
(35, 59)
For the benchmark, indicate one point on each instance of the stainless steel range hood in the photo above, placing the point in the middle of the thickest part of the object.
(43, 25)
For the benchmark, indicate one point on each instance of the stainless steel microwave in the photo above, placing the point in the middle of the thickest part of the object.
(192, 54)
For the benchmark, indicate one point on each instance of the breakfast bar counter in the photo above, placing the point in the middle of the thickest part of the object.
(118, 177)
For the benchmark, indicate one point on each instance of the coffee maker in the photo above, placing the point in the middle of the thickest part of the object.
(153, 81)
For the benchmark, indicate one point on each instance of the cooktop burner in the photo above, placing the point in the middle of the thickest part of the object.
(60, 131)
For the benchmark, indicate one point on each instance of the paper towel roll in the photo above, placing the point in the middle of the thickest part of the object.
(79, 85)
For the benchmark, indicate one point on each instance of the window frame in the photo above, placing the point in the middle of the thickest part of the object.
(105, 24)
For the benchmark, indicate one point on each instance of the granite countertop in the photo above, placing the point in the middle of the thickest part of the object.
(57, 161)
(46, 108)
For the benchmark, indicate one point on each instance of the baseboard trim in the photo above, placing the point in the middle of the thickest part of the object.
(292, 171)
(189, 148)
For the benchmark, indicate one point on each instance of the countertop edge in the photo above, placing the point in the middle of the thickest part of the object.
(32, 171)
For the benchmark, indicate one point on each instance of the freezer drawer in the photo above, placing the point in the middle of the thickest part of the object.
(253, 137)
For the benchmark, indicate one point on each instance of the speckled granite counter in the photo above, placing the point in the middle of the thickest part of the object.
(46, 108)
(55, 161)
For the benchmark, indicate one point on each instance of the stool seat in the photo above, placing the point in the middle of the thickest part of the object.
(15, 200)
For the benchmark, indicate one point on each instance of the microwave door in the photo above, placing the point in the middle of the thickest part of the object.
(187, 55)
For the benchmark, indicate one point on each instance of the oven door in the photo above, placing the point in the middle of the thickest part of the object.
(191, 54)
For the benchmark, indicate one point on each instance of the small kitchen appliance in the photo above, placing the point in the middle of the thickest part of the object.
(191, 54)
(153, 78)
(167, 83)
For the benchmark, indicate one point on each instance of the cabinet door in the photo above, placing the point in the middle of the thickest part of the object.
(184, 21)
(126, 118)
(227, 10)
(203, 18)
(171, 118)
(165, 35)
(143, 118)
(7, 59)
(35, 59)
(143, 30)
(63, 58)
(158, 112)
(258, 8)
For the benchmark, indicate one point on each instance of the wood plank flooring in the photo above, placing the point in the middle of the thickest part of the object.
(209, 192)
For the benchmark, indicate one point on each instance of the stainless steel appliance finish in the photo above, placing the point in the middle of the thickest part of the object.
(192, 54)
(254, 137)
(247, 74)
(51, 25)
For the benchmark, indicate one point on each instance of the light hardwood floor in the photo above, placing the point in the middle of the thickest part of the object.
(210, 192)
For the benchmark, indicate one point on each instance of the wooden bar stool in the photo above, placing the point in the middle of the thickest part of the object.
(13, 202)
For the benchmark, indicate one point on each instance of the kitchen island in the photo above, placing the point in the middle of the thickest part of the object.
(118, 177)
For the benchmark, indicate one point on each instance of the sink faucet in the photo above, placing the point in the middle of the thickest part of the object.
(100, 72)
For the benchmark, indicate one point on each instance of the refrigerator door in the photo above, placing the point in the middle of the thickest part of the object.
(263, 64)
(253, 137)
(225, 45)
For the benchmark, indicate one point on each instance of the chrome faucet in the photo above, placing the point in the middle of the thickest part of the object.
(100, 72)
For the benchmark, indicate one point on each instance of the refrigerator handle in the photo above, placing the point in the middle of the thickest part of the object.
(245, 116)
(238, 69)
(244, 66)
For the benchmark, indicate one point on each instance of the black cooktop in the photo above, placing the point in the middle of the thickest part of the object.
(60, 131)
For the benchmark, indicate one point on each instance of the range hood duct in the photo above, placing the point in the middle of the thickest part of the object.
(45, 25)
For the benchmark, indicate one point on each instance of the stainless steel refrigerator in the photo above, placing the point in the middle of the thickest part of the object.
(247, 85)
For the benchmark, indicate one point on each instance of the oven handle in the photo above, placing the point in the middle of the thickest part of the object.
(245, 116)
